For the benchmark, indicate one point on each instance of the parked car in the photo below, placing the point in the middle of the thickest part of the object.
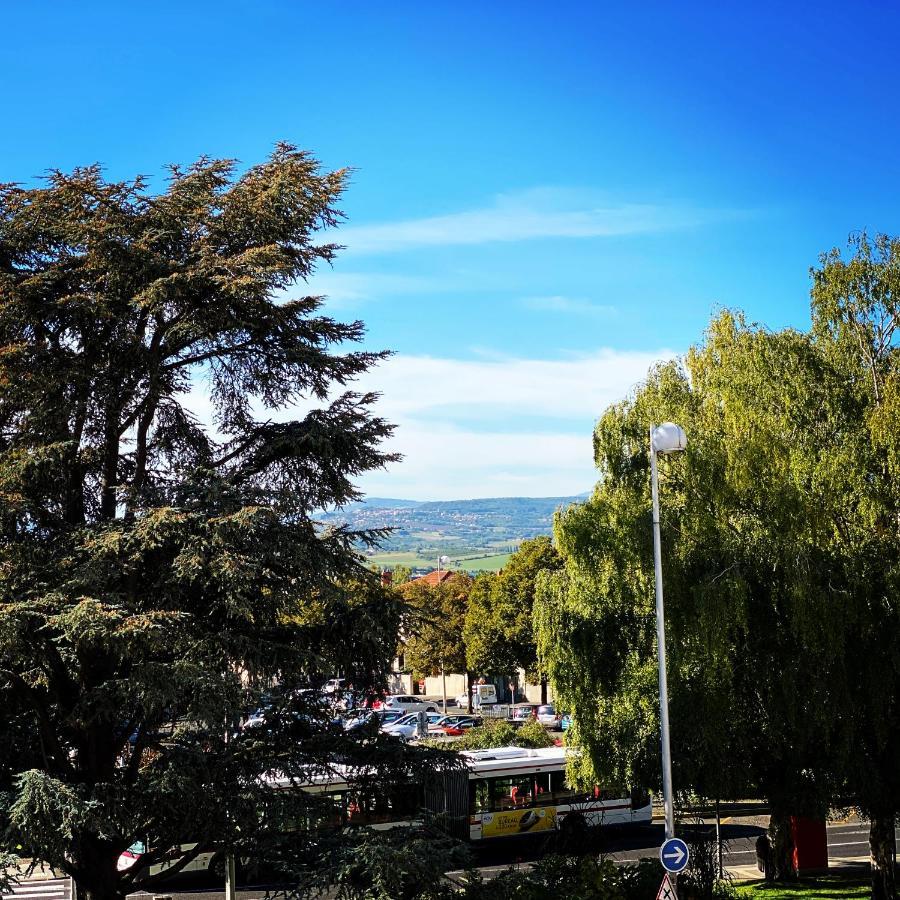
(522, 712)
(407, 727)
(548, 716)
(386, 716)
(359, 718)
(455, 725)
(333, 686)
(406, 703)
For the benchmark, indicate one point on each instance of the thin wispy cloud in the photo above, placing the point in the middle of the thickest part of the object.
(349, 289)
(573, 305)
(527, 215)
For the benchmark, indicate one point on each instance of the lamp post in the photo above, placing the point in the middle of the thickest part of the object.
(665, 438)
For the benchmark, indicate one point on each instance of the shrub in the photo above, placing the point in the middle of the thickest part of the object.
(494, 733)
(532, 734)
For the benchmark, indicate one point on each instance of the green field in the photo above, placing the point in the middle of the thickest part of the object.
(493, 563)
(489, 562)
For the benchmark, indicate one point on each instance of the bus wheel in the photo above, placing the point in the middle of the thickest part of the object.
(574, 825)
(574, 833)
(217, 868)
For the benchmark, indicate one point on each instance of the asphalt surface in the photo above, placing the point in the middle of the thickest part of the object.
(848, 845)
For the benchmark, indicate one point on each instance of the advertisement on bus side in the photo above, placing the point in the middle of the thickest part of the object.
(518, 821)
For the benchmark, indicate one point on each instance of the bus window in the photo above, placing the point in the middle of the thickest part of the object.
(511, 793)
(479, 796)
(396, 804)
(543, 789)
(639, 798)
(563, 795)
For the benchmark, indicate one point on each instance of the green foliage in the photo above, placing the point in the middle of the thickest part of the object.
(401, 575)
(499, 632)
(434, 627)
(781, 554)
(585, 877)
(493, 733)
(532, 734)
(161, 572)
(500, 733)
(396, 865)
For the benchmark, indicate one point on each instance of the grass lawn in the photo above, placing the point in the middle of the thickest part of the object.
(493, 563)
(822, 887)
(488, 563)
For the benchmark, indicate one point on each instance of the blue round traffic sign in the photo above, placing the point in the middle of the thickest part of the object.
(674, 855)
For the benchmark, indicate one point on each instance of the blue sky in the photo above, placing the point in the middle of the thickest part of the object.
(546, 199)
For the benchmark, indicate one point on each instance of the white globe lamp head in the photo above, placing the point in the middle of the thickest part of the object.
(668, 438)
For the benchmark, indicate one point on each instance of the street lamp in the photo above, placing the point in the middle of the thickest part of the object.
(665, 438)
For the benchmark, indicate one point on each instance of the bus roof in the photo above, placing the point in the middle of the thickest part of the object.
(514, 759)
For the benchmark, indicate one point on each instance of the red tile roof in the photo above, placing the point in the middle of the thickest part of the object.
(435, 577)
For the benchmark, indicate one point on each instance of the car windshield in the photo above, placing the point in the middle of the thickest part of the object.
(405, 720)
(546, 711)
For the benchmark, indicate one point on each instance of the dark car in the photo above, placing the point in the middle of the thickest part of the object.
(522, 712)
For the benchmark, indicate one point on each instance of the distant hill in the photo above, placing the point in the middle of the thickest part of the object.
(384, 503)
(473, 533)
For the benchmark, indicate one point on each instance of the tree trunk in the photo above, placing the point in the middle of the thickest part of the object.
(98, 877)
(469, 680)
(883, 853)
(543, 689)
(782, 843)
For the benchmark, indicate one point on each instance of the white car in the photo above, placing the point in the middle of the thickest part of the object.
(408, 727)
(406, 703)
(548, 716)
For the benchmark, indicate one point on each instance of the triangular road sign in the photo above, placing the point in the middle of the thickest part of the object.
(666, 889)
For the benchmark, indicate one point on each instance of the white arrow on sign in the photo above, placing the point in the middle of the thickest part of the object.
(676, 854)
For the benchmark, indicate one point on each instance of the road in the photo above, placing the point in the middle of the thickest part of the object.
(848, 844)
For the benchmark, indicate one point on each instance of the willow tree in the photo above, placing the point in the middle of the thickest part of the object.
(781, 531)
(856, 317)
(755, 637)
(169, 420)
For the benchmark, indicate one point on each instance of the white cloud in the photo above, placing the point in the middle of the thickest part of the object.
(526, 215)
(489, 427)
(560, 304)
(448, 463)
(580, 387)
(435, 402)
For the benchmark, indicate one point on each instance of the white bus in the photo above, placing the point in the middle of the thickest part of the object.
(504, 792)
(515, 792)
(512, 792)
(508, 792)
